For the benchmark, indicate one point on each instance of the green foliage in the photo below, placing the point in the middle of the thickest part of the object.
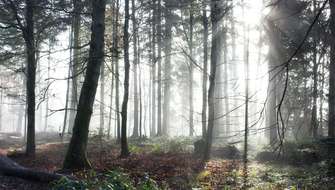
(281, 176)
(118, 180)
(176, 145)
(135, 149)
(157, 148)
(66, 184)
(112, 180)
(148, 184)
(296, 153)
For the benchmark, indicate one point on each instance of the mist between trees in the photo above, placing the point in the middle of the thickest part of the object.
(245, 76)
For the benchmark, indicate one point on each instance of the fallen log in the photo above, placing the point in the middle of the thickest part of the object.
(10, 168)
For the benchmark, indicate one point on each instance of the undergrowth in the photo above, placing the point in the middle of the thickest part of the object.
(111, 180)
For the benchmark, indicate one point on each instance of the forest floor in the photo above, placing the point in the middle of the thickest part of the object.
(172, 165)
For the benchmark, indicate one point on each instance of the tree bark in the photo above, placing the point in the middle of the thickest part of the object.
(117, 75)
(153, 71)
(226, 85)
(10, 168)
(159, 68)
(190, 90)
(102, 100)
(68, 89)
(205, 68)
(234, 68)
(314, 119)
(76, 157)
(331, 99)
(111, 101)
(76, 23)
(46, 116)
(167, 68)
(246, 111)
(215, 52)
(124, 143)
(274, 53)
(136, 110)
(29, 38)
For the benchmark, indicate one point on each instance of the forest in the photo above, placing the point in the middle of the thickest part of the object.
(167, 94)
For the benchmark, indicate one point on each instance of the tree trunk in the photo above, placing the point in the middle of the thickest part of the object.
(321, 98)
(117, 101)
(234, 68)
(205, 68)
(246, 111)
(331, 103)
(39, 88)
(159, 68)
(215, 53)
(111, 100)
(124, 143)
(167, 68)
(153, 71)
(76, 154)
(314, 119)
(11, 168)
(226, 85)
(67, 89)
(140, 91)
(271, 115)
(190, 90)
(47, 92)
(31, 75)
(75, 62)
(102, 100)
(117, 75)
(136, 110)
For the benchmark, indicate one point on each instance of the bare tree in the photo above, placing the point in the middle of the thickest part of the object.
(331, 116)
(167, 67)
(205, 68)
(135, 36)
(124, 143)
(76, 157)
(159, 67)
(216, 9)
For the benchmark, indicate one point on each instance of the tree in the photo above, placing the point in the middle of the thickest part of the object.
(76, 23)
(167, 67)
(124, 143)
(76, 157)
(331, 116)
(112, 88)
(135, 36)
(273, 79)
(102, 100)
(205, 68)
(115, 45)
(153, 69)
(191, 72)
(19, 18)
(246, 111)
(68, 88)
(28, 35)
(159, 67)
(216, 11)
(314, 119)
(47, 93)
